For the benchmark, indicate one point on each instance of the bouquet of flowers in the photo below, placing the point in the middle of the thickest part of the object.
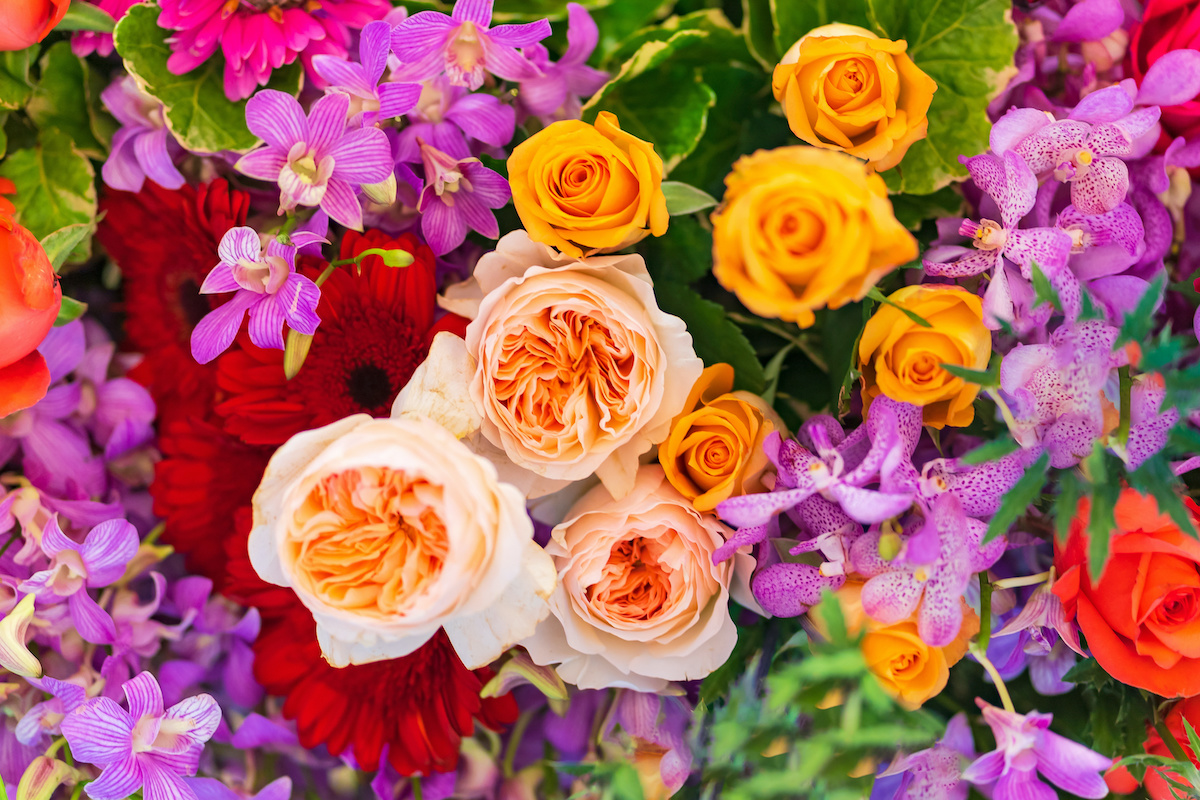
(514, 399)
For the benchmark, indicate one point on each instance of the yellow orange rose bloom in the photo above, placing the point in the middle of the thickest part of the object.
(714, 450)
(908, 669)
(844, 88)
(802, 229)
(585, 189)
(902, 359)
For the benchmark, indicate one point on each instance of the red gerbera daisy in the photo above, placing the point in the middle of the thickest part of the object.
(420, 705)
(375, 330)
(165, 242)
(205, 478)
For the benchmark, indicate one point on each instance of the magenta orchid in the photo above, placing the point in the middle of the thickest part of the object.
(267, 287)
(145, 747)
(459, 194)
(557, 93)
(932, 773)
(376, 101)
(454, 121)
(99, 561)
(315, 160)
(1025, 747)
(45, 718)
(464, 46)
(142, 147)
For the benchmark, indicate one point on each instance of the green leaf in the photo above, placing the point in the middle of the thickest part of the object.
(196, 109)
(619, 20)
(626, 785)
(658, 99)
(1018, 499)
(989, 379)
(841, 328)
(1043, 292)
(60, 243)
(966, 46)
(683, 199)
(1140, 321)
(990, 451)
(15, 87)
(913, 209)
(68, 98)
(716, 685)
(795, 19)
(56, 187)
(1066, 504)
(530, 10)
(83, 16)
(760, 32)
(1156, 478)
(1102, 519)
(682, 255)
(880, 297)
(716, 337)
(3, 134)
(69, 311)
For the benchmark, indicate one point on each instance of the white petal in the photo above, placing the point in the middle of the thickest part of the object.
(439, 388)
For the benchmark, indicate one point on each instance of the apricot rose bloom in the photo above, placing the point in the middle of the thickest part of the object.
(639, 602)
(569, 368)
(907, 668)
(389, 529)
(802, 229)
(30, 298)
(1141, 616)
(902, 359)
(588, 188)
(715, 450)
(844, 88)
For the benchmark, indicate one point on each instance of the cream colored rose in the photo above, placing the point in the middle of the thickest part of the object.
(390, 529)
(639, 601)
(574, 370)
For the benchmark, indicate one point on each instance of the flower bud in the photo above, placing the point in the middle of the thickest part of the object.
(383, 192)
(14, 655)
(43, 776)
(397, 258)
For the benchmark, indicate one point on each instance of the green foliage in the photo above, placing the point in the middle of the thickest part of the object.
(715, 336)
(1043, 292)
(56, 187)
(841, 328)
(1018, 499)
(61, 243)
(68, 98)
(990, 451)
(70, 311)
(1104, 489)
(1156, 478)
(529, 10)
(683, 199)
(988, 379)
(83, 16)
(1117, 714)
(913, 209)
(15, 86)
(682, 255)
(196, 109)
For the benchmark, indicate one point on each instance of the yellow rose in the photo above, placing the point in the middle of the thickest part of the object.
(908, 669)
(801, 229)
(844, 88)
(901, 359)
(588, 188)
(715, 451)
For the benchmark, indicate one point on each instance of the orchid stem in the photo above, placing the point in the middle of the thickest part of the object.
(514, 741)
(982, 658)
(1027, 580)
(416, 787)
(324, 276)
(55, 747)
(1005, 411)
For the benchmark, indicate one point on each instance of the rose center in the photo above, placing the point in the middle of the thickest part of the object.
(634, 585)
(1178, 607)
(906, 663)
(369, 540)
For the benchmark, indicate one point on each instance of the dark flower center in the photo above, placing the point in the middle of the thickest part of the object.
(193, 304)
(369, 385)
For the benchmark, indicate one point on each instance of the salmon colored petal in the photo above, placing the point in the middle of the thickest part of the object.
(23, 383)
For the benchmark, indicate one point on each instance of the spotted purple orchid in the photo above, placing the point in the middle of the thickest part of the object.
(315, 160)
(897, 583)
(932, 773)
(557, 94)
(74, 568)
(145, 747)
(374, 100)
(464, 46)
(459, 194)
(142, 147)
(1013, 186)
(266, 286)
(455, 121)
(1040, 637)
(1025, 748)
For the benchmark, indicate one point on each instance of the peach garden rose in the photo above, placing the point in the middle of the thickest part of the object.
(388, 530)
(639, 602)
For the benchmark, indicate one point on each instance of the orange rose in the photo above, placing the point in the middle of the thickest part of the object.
(30, 298)
(1156, 778)
(802, 229)
(26, 22)
(902, 360)
(714, 451)
(1142, 616)
(909, 670)
(586, 188)
(844, 88)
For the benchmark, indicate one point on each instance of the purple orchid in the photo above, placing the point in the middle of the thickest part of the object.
(463, 46)
(1025, 747)
(935, 581)
(45, 718)
(979, 488)
(932, 773)
(1149, 425)
(459, 194)
(1041, 637)
(315, 160)
(1013, 186)
(142, 748)
(361, 81)
(75, 568)
(454, 121)
(659, 721)
(142, 147)
(267, 287)
(118, 412)
(558, 93)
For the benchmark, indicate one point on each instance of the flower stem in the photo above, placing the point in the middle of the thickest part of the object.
(416, 787)
(1126, 392)
(982, 658)
(1005, 411)
(1169, 739)
(985, 610)
(514, 741)
(1027, 580)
